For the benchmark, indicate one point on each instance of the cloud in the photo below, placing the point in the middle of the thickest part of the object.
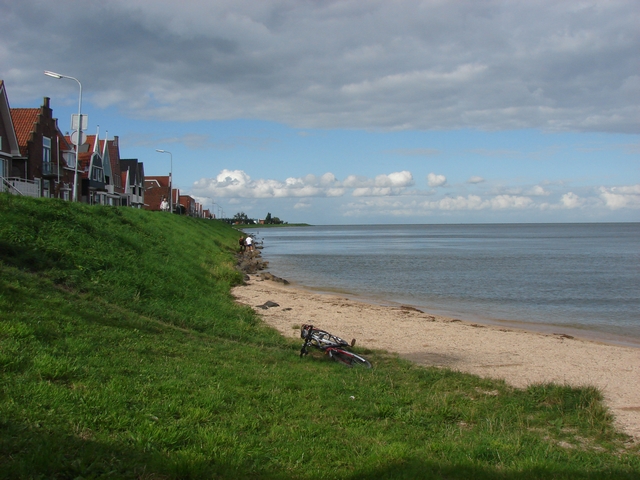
(390, 195)
(621, 197)
(436, 180)
(338, 64)
(571, 200)
(475, 179)
(238, 184)
(538, 191)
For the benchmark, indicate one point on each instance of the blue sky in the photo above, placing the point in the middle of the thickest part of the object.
(333, 112)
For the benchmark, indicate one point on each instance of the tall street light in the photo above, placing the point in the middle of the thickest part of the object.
(75, 173)
(170, 179)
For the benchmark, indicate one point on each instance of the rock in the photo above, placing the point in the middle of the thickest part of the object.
(250, 263)
(273, 278)
(268, 304)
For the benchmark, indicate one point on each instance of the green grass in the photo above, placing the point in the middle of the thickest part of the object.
(123, 355)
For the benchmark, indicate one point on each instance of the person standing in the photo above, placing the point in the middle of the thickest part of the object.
(249, 243)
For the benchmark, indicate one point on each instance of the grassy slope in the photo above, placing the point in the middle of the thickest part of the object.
(123, 355)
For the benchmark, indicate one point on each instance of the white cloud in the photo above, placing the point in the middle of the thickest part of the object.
(621, 197)
(538, 191)
(571, 200)
(476, 202)
(436, 180)
(510, 202)
(475, 179)
(388, 194)
(237, 183)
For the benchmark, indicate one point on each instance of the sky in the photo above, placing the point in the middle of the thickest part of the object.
(353, 112)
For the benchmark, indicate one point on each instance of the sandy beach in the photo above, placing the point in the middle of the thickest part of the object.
(516, 356)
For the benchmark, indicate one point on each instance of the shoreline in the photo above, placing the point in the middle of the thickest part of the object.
(591, 335)
(519, 356)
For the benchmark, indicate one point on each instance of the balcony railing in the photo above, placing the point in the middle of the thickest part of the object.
(20, 186)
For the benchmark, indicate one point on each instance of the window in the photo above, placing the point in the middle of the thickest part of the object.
(98, 174)
(70, 158)
(46, 156)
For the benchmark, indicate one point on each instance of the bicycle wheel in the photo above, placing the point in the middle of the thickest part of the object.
(348, 358)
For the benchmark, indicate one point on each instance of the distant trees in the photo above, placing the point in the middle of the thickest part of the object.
(241, 217)
(269, 220)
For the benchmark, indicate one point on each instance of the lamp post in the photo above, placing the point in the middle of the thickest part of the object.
(170, 179)
(75, 171)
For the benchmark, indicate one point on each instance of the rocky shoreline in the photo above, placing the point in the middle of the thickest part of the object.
(251, 263)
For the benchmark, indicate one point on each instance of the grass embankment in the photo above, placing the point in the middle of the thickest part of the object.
(123, 355)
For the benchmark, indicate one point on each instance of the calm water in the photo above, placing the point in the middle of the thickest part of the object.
(564, 278)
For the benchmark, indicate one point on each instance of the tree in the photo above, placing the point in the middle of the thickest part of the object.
(241, 217)
(267, 219)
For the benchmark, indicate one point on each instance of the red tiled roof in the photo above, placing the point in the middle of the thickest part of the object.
(23, 121)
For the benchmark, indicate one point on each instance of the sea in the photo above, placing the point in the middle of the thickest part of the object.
(575, 279)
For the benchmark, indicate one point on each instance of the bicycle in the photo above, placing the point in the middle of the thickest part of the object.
(331, 345)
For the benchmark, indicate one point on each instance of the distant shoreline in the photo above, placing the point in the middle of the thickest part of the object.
(271, 225)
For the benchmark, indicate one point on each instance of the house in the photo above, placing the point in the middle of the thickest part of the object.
(93, 182)
(132, 173)
(187, 205)
(36, 159)
(156, 188)
(9, 148)
(45, 166)
(115, 192)
(175, 198)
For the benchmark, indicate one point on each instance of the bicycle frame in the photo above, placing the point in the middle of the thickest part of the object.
(332, 345)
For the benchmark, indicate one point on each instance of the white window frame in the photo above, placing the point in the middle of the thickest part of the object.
(46, 156)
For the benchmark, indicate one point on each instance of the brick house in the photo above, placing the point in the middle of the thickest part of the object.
(187, 205)
(156, 188)
(47, 160)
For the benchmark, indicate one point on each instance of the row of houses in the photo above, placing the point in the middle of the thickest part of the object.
(38, 160)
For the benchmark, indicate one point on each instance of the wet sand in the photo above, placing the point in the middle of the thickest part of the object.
(517, 356)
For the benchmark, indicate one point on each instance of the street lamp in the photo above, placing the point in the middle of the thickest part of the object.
(170, 179)
(75, 173)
